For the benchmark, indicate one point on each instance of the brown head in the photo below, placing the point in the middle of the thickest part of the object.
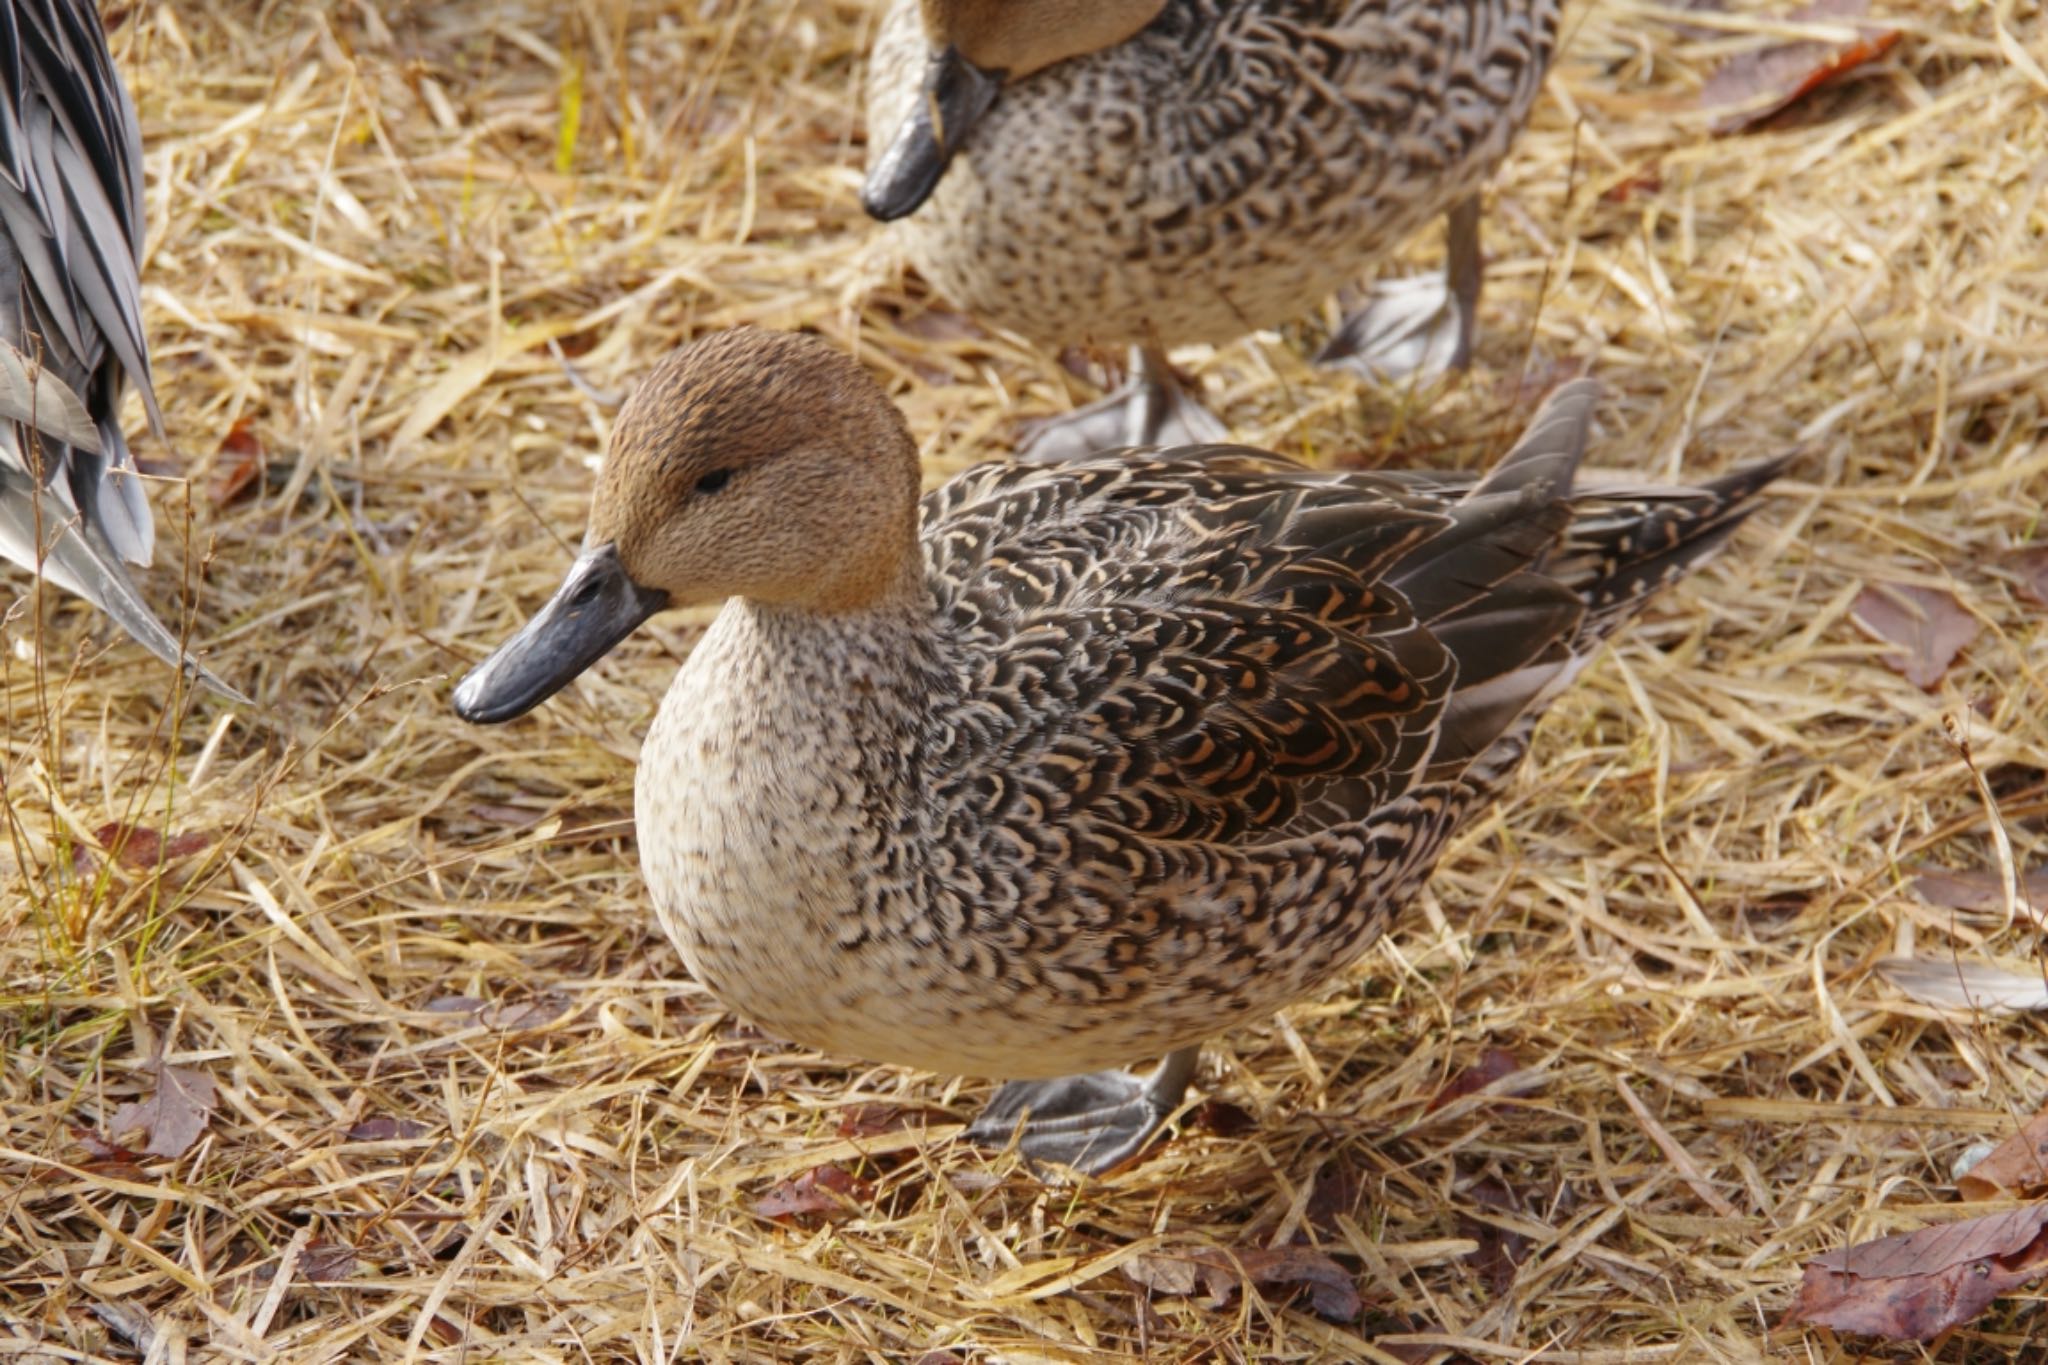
(978, 47)
(754, 464)
(1014, 38)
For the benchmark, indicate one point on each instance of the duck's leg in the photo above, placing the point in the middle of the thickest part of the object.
(1152, 408)
(1089, 1122)
(1418, 324)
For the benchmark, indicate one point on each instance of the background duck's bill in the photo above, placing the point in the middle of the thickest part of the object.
(596, 607)
(956, 94)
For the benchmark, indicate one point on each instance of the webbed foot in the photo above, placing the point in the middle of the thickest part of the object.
(1090, 1123)
(1152, 408)
(1420, 325)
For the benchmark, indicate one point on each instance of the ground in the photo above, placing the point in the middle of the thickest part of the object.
(466, 1103)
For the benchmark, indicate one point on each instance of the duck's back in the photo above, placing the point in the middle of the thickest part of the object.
(1222, 170)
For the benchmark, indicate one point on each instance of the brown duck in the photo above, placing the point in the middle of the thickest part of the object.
(1062, 767)
(1153, 173)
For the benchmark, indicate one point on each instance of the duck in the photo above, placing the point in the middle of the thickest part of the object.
(1157, 173)
(72, 507)
(1062, 768)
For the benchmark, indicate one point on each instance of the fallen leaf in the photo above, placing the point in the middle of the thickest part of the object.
(386, 1129)
(1339, 1192)
(2031, 564)
(2018, 1165)
(1929, 626)
(1950, 983)
(98, 1149)
(1972, 890)
(1332, 1290)
(142, 849)
(1916, 1285)
(1752, 86)
(1224, 1119)
(454, 1004)
(240, 463)
(872, 1120)
(174, 1116)
(1494, 1064)
(502, 1016)
(1501, 1252)
(327, 1262)
(826, 1190)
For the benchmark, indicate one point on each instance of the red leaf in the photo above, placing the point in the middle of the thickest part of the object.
(98, 1150)
(1917, 1285)
(2018, 1165)
(174, 1116)
(1332, 1290)
(1929, 626)
(1338, 1193)
(1755, 85)
(825, 1190)
(1493, 1064)
(327, 1262)
(142, 849)
(241, 462)
(872, 1120)
(1225, 1119)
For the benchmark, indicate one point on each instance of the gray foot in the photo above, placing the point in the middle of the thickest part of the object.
(1420, 325)
(1153, 408)
(1090, 1123)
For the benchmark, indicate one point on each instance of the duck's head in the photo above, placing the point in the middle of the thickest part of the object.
(763, 465)
(978, 47)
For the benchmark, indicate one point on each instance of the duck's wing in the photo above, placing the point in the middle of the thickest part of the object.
(71, 504)
(1218, 645)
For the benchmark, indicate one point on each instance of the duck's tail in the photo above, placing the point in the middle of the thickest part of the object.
(74, 542)
(1569, 560)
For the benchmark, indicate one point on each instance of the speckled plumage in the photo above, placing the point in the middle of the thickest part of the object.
(1141, 748)
(1221, 171)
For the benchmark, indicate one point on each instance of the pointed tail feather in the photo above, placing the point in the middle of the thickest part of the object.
(80, 562)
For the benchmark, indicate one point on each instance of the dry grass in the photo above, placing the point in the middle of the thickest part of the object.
(365, 223)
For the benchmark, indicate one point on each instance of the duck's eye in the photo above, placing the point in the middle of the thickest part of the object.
(715, 480)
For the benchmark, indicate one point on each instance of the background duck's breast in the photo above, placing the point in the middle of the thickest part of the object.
(1223, 170)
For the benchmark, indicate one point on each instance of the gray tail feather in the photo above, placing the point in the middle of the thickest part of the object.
(82, 562)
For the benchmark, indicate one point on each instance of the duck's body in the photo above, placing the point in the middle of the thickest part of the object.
(1224, 170)
(71, 502)
(1087, 762)
(1158, 172)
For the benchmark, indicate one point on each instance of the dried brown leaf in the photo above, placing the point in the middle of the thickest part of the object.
(824, 1190)
(2018, 1165)
(174, 1116)
(1972, 890)
(1929, 627)
(2031, 564)
(138, 848)
(1332, 1290)
(1501, 1252)
(1950, 983)
(1494, 1064)
(1754, 85)
(872, 1120)
(238, 465)
(1916, 1285)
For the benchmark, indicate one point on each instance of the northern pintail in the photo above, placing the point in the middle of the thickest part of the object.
(71, 502)
(1153, 173)
(1065, 766)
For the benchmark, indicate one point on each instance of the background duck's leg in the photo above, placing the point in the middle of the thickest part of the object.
(1089, 1122)
(1418, 324)
(1152, 408)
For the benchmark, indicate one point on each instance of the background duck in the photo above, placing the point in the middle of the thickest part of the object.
(1154, 173)
(1065, 766)
(71, 502)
